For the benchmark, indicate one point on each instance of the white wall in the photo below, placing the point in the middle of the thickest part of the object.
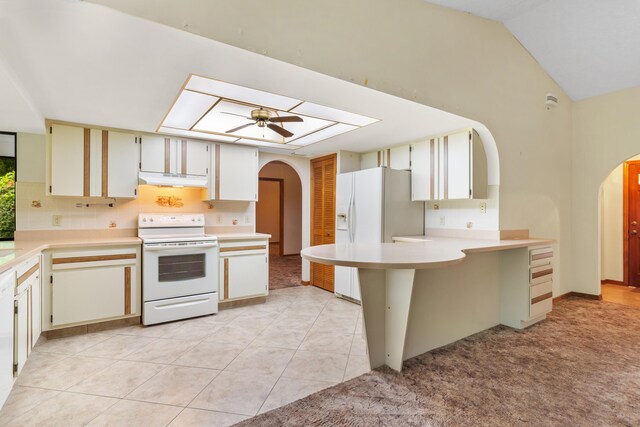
(302, 166)
(606, 132)
(292, 205)
(611, 262)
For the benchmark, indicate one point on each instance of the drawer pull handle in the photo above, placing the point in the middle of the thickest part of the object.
(542, 273)
(541, 298)
(542, 256)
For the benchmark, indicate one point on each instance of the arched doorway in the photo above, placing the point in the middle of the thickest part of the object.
(619, 216)
(279, 213)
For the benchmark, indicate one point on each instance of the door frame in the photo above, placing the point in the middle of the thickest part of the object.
(625, 219)
(281, 219)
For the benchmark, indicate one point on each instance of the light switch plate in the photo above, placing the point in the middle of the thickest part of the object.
(483, 207)
(56, 220)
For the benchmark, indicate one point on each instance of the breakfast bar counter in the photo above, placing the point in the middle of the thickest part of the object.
(422, 292)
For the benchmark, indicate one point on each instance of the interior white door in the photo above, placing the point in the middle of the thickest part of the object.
(67, 160)
(152, 153)
(458, 160)
(84, 294)
(197, 158)
(366, 216)
(122, 168)
(248, 275)
(238, 173)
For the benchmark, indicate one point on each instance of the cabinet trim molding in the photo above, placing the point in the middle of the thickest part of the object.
(541, 298)
(86, 188)
(127, 290)
(243, 248)
(167, 155)
(226, 279)
(217, 186)
(28, 273)
(93, 258)
(105, 163)
(183, 157)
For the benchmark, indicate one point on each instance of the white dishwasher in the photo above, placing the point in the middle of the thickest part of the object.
(7, 288)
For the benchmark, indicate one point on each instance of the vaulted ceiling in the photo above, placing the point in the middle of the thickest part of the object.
(589, 47)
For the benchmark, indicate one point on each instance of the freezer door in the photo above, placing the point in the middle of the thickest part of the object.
(344, 198)
(342, 280)
(366, 216)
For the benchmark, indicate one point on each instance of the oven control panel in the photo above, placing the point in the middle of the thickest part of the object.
(170, 220)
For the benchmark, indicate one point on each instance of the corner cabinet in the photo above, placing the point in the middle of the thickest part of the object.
(88, 285)
(244, 269)
(85, 162)
(234, 173)
(450, 167)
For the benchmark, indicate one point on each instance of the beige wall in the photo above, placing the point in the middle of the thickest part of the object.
(268, 209)
(425, 53)
(292, 204)
(606, 132)
(611, 260)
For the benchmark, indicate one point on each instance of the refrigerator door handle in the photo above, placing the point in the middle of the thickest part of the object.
(350, 210)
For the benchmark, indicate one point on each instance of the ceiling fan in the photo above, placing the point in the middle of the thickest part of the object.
(265, 118)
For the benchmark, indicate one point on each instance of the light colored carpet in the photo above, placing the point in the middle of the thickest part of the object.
(581, 367)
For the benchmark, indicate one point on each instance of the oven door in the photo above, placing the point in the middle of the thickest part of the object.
(172, 271)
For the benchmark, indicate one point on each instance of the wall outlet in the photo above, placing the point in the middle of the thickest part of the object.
(247, 219)
(219, 219)
(483, 207)
(441, 220)
(56, 220)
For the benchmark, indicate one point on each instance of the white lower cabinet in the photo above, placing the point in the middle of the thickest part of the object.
(244, 269)
(27, 311)
(91, 285)
(7, 289)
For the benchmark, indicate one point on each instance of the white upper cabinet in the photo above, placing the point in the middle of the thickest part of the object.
(399, 157)
(424, 170)
(450, 167)
(152, 157)
(67, 160)
(196, 160)
(176, 156)
(236, 172)
(92, 162)
(122, 161)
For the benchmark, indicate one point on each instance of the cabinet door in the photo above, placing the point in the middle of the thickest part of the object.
(238, 173)
(155, 154)
(399, 157)
(86, 294)
(424, 170)
(248, 275)
(195, 156)
(122, 169)
(36, 308)
(7, 288)
(457, 173)
(67, 160)
(21, 346)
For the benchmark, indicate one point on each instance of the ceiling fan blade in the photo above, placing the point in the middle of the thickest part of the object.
(281, 131)
(234, 114)
(239, 127)
(286, 119)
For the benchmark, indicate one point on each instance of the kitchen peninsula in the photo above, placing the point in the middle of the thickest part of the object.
(422, 293)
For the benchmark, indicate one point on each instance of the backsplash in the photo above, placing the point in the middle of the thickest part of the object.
(458, 214)
(124, 213)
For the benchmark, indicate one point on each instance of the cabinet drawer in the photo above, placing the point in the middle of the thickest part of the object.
(243, 247)
(540, 256)
(541, 299)
(27, 269)
(541, 274)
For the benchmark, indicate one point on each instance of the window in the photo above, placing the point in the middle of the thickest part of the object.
(7, 185)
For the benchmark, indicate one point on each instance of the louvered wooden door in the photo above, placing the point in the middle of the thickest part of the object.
(323, 213)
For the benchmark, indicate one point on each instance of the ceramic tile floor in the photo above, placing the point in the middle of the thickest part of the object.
(214, 371)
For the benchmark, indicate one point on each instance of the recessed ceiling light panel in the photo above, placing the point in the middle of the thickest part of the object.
(220, 111)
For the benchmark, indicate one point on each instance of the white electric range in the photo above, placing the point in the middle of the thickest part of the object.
(179, 267)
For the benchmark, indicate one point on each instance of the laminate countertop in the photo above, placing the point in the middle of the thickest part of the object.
(410, 252)
(14, 252)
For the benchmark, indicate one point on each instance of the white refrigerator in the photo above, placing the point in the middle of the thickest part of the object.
(372, 206)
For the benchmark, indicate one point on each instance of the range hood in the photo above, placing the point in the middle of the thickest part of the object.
(172, 180)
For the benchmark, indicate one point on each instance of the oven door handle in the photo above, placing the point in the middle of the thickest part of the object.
(179, 248)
